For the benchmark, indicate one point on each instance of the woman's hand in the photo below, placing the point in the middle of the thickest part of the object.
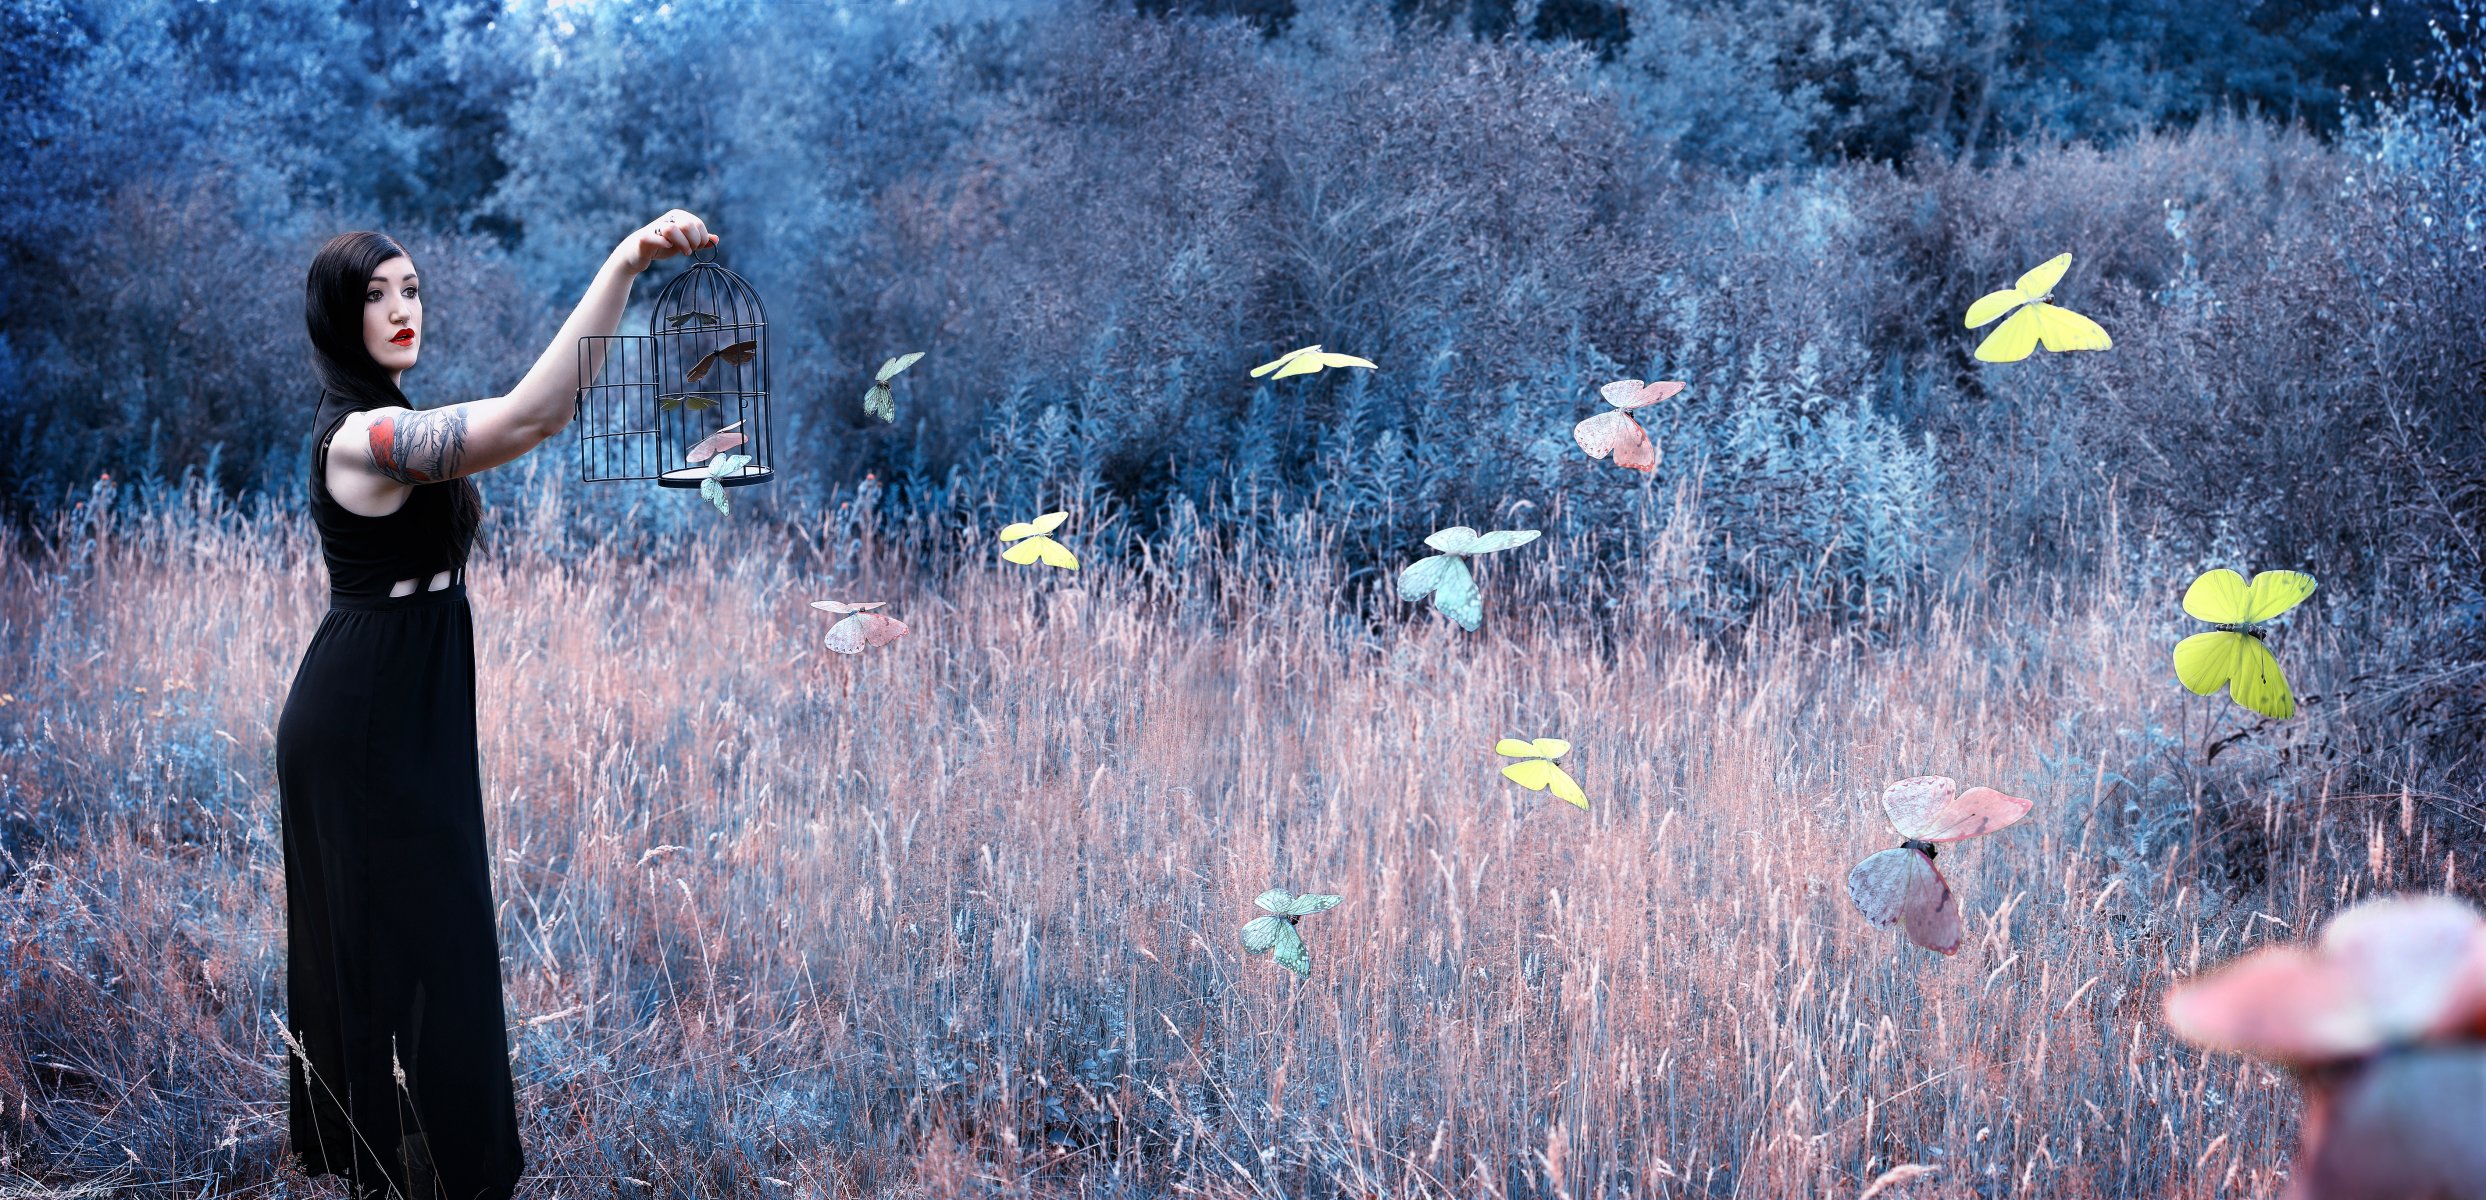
(676, 232)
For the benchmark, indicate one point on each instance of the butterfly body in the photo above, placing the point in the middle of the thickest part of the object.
(861, 627)
(1901, 886)
(2234, 653)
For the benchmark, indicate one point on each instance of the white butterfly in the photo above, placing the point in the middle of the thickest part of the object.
(1445, 577)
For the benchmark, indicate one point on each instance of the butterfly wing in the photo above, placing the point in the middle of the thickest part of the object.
(1567, 787)
(1454, 540)
(1418, 579)
(2013, 339)
(1501, 539)
(706, 448)
(699, 370)
(2205, 662)
(1932, 918)
(714, 493)
(2275, 592)
(2062, 329)
(1045, 550)
(2219, 597)
(1260, 933)
(1537, 775)
(840, 606)
(1456, 595)
(1615, 433)
(2278, 1002)
(877, 402)
(1044, 524)
(1995, 304)
(1549, 747)
(2258, 683)
(1341, 360)
(1631, 393)
(1275, 900)
(1301, 364)
(889, 370)
(1930, 808)
(1283, 359)
(2041, 278)
(1291, 952)
(1304, 906)
(864, 630)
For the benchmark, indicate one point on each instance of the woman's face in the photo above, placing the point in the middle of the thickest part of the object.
(393, 316)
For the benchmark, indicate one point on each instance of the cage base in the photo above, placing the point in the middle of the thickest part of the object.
(691, 477)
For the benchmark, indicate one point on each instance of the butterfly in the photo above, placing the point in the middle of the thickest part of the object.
(690, 400)
(1617, 432)
(1038, 547)
(2060, 328)
(1901, 886)
(1278, 931)
(1305, 361)
(723, 439)
(862, 627)
(2232, 655)
(876, 400)
(712, 487)
(1444, 576)
(738, 353)
(1540, 771)
(676, 320)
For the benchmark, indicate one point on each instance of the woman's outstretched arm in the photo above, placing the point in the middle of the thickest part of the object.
(399, 447)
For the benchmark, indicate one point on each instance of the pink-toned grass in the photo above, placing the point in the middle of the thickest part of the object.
(962, 913)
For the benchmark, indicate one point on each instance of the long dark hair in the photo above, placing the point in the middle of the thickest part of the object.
(332, 309)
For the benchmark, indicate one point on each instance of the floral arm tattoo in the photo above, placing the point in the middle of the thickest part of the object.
(424, 446)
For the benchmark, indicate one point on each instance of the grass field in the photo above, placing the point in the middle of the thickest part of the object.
(961, 914)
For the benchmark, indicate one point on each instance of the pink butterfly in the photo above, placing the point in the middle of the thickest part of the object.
(862, 628)
(1618, 433)
(2384, 1023)
(723, 439)
(1901, 886)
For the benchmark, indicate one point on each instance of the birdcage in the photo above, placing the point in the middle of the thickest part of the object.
(651, 399)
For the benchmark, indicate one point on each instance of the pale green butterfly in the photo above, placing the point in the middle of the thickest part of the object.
(876, 401)
(721, 466)
(1445, 577)
(1278, 931)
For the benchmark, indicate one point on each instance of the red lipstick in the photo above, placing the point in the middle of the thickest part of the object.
(403, 336)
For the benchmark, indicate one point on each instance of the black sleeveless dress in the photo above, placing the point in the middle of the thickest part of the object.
(393, 969)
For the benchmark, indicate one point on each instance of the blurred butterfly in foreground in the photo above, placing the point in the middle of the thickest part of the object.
(1263, 933)
(876, 400)
(1540, 771)
(2036, 320)
(677, 320)
(712, 487)
(862, 627)
(2232, 655)
(1901, 886)
(706, 448)
(1445, 576)
(1038, 547)
(1305, 361)
(738, 353)
(1617, 432)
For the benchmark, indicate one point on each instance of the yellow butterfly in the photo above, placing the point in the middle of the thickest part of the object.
(2232, 655)
(1540, 771)
(1305, 361)
(2060, 328)
(1038, 547)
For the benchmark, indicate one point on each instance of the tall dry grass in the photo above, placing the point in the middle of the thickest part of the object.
(961, 914)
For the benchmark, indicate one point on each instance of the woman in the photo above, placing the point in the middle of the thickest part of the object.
(399, 1075)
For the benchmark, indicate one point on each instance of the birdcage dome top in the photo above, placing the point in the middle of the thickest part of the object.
(705, 295)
